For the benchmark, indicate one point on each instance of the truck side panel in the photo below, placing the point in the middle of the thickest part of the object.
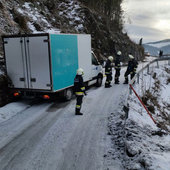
(15, 61)
(64, 53)
(84, 53)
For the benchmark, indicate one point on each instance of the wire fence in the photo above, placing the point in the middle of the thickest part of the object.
(148, 69)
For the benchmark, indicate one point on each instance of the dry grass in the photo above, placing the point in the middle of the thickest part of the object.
(149, 98)
(1, 5)
(20, 19)
(154, 75)
(167, 70)
(168, 80)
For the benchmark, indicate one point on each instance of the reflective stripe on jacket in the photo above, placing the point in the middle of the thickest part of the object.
(79, 87)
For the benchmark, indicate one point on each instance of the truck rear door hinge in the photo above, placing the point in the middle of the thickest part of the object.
(22, 79)
(33, 79)
(48, 85)
(46, 40)
(5, 42)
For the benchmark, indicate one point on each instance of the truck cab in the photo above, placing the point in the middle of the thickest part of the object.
(97, 71)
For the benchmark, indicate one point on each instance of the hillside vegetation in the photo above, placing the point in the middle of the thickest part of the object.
(102, 19)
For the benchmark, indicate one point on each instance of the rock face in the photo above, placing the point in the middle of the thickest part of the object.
(66, 16)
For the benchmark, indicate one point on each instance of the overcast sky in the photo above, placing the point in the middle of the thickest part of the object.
(147, 19)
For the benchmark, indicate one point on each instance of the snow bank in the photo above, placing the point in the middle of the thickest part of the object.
(12, 109)
(150, 143)
(138, 142)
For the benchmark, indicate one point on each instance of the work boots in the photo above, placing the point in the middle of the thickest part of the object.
(78, 112)
(108, 85)
(126, 81)
(116, 81)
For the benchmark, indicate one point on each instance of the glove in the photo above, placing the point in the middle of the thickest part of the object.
(85, 93)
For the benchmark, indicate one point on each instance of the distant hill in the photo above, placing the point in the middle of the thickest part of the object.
(154, 47)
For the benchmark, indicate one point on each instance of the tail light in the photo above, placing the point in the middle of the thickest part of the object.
(16, 94)
(46, 97)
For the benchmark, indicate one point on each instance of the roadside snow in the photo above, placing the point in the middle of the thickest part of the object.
(138, 142)
(149, 143)
(12, 109)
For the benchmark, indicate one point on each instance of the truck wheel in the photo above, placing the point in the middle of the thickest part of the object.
(99, 81)
(68, 94)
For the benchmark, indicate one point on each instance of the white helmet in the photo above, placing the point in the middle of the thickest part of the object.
(131, 56)
(119, 53)
(80, 71)
(110, 58)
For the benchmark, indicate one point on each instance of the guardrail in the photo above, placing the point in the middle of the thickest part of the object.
(137, 76)
(126, 105)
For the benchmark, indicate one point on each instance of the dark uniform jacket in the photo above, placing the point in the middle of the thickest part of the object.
(132, 65)
(108, 67)
(117, 63)
(79, 86)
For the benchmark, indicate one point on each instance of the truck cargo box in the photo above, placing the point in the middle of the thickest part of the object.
(48, 62)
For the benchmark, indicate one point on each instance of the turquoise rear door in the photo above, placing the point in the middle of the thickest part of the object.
(64, 58)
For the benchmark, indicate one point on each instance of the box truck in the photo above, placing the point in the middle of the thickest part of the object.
(44, 64)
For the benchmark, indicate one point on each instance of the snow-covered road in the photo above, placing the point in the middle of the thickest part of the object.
(49, 135)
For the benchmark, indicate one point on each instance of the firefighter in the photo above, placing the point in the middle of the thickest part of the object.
(131, 69)
(117, 67)
(108, 71)
(79, 90)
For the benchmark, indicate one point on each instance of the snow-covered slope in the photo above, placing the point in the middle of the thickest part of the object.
(145, 145)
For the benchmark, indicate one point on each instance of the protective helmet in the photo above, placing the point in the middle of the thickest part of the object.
(110, 58)
(119, 53)
(80, 71)
(131, 56)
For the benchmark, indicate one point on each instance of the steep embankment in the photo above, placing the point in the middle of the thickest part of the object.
(67, 16)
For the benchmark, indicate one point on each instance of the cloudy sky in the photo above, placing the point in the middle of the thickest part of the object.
(147, 19)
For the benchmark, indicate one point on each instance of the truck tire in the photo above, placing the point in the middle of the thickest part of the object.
(99, 81)
(68, 94)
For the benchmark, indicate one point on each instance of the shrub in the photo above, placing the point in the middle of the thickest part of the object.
(168, 81)
(20, 19)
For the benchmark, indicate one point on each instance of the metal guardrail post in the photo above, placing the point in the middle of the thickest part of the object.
(138, 78)
(130, 90)
(157, 64)
(148, 68)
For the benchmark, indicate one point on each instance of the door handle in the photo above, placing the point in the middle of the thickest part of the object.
(33, 79)
(22, 79)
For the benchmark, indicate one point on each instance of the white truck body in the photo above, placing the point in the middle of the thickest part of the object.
(48, 62)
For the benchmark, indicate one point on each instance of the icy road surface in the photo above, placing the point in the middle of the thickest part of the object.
(48, 136)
